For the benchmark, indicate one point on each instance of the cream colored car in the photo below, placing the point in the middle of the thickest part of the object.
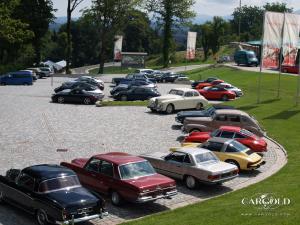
(178, 99)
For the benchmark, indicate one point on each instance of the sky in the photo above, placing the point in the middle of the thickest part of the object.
(202, 7)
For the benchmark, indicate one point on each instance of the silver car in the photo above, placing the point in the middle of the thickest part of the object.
(192, 165)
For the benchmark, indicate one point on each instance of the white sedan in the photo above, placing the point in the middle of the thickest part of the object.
(178, 99)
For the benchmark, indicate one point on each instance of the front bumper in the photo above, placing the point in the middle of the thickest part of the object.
(82, 219)
(179, 119)
(256, 165)
(155, 106)
(144, 199)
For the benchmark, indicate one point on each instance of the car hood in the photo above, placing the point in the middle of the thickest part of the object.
(154, 155)
(150, 182)
(217, 167)
(78, 197)
(167, 97)
(80, 162)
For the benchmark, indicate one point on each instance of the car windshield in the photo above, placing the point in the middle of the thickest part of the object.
(210, 110)
(176, 92)
(246, 132)
(237, 146)
(251, 56)
(214, 133)
(206, 157)
(135, 170)
(59, 184)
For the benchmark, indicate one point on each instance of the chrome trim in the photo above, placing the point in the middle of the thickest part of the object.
(82, 219)
(150, 198)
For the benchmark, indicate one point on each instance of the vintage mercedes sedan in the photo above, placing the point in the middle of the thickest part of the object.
(123, 177)
(178, 99)
(52, 193)
(192, 165)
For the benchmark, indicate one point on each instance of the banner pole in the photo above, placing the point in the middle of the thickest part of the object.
(280, 62)
(261, 61)
(298, 85)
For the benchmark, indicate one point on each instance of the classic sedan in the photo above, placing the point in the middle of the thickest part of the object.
(136, 93)
(200, 113)
(208, 80)
(231, 151)
(192, 165)
(243, 136)
(178, 99)
(76, 96)
(123, 177)
(212, 83)
(217, 93)
(53, 194)
(223, 117)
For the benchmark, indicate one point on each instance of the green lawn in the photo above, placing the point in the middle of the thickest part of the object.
(281, 119)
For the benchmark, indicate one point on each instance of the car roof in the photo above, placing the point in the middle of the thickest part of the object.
(119, 158)
(220, 140)
(231, 112)
(230, 128)
(47, 171)
(192, 151)
(184, 89)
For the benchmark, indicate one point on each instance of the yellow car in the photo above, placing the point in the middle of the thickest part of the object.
(230, 151)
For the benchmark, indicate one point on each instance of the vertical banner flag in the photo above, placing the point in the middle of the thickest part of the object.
(118, 48)
(291, 33)
(272, 39)
(191, 45)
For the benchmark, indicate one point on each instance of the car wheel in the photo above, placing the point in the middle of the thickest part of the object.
(116, 199)
(87, 101)
(190, 182)
(199, 106)
(233, 162)
(170, 109)
(164, 81)
(3, 83)
(61, 100)
(41, 217)
(26, 84)
(153, 110)
(224, 98)
(124, 98)
(1, 197)
(285, 71)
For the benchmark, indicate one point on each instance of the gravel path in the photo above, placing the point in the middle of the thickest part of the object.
(32, 129)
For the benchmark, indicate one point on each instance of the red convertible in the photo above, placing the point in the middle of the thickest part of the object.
(243, 136)
(123, 177)
(215, 93)
(209, 84)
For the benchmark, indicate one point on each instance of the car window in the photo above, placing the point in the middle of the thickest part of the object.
(237, 135)
(231, 148)
(26, 181)
(221, 117)
(130, 76)
(227, 134)
(234, 118)
(196, 93)
(213, 146)
(188, 94)
(94, 165)
(187, 159)
(106, 168)
(176, 157)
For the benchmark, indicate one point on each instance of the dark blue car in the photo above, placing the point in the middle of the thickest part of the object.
(17, 78)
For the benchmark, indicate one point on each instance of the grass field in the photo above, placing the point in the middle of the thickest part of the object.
(281, 118)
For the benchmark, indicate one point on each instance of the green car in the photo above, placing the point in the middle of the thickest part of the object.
(244, 57)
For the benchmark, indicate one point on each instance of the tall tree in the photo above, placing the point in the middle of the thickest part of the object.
(110, 17)
(38, 14)
(170, 13)
(72, 5)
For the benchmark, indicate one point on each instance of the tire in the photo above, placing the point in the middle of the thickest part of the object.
(170, 109)
(123, 98)
(164, 81)
(61, 100)
(26, 84)
(41, 217)
(1, 197)
(233, 162)
(87, 101)
(190, 182)
(199, 106)
(116, 199)
(225, 98)
(153, 110)
(285, 71)
(3, 83)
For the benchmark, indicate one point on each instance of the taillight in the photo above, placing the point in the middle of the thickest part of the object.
(213, 177)
(235, 172)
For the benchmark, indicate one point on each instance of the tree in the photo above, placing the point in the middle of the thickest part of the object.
(72, 5)
(218, 30)
(277, 7)
(170, 13)
(37, 14)
(110, 17)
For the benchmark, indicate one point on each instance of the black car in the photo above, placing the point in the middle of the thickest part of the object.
(76, 96)
(130, 77)
(52, 193)
(92, 81)
(76, 84)
(208, 80)
(168, 77)
(136, 93)
(202, 113)
(133, 83)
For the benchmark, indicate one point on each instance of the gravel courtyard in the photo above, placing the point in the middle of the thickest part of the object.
(32, 129)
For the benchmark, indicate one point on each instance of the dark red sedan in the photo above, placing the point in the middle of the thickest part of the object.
(209, 84)
(216, 93)
(290, 69)
(123, 177)
(243, 136)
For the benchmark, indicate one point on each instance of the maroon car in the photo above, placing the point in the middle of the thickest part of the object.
(123, 177)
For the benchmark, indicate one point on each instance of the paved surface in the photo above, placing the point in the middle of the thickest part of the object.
(32, 129)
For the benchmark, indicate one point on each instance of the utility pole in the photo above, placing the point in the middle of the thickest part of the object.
(240, 8)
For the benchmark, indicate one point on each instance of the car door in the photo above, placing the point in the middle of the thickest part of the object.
(216, 148)
(175, 165)
(188, 100)
(106, 176)
(77, 95)
(219, 120)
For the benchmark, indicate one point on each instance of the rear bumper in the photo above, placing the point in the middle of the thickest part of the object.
(256, 165)
(144, 199)
(222, 180)
(82, 219)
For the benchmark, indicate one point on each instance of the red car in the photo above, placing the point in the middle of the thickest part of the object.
(290, 69)
(123, 177)
(215, 93)
(243, 136)
(213, 83)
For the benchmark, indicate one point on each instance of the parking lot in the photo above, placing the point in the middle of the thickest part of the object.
(33, 130)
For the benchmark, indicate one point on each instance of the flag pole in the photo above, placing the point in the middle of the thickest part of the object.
(261, 61)
(280, 61)
(298, 86)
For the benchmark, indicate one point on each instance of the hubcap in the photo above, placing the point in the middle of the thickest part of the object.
(169, 109)
(124, 98)
(60, 99)
(199, 106)
(87, 101)
(115, 198)
(190, 182)
(41, 218)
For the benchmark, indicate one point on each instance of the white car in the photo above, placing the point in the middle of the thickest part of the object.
(230, 87)
(178, 99)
